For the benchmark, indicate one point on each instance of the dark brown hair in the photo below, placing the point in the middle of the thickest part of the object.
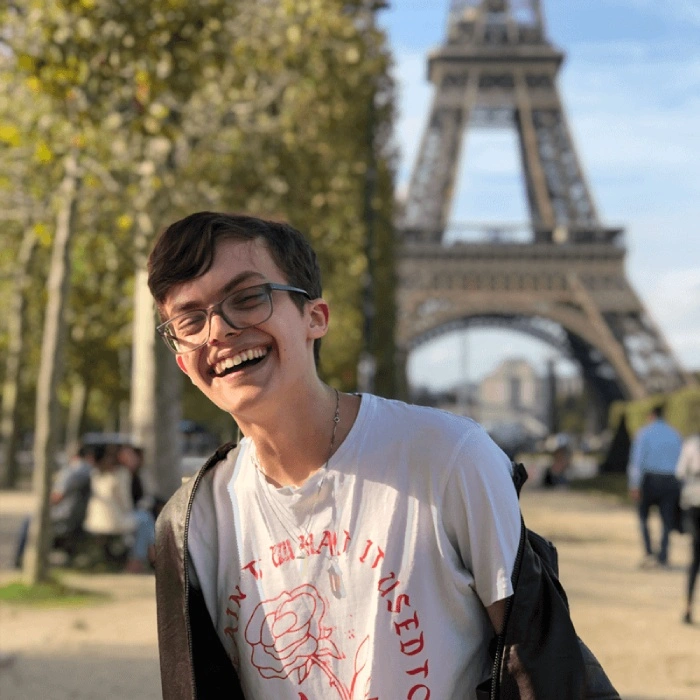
(185, 250)
(658, 410)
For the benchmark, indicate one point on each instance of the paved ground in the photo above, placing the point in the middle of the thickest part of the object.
(103, 651)
(629, 618)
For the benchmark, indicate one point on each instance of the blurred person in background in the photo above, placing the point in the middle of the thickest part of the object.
(556, 472)
(131, 457)
(111, 510)
(652, 480)
(688, 471)
(68, 503)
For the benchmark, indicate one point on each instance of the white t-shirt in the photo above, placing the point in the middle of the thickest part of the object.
(417, 519)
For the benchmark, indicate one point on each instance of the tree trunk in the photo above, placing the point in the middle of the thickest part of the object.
(78, 398)
(46, 438)
(156, 394)
(9, 431)
(143, 377)
(168, 475)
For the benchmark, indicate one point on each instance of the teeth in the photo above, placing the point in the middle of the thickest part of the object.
(236, 360)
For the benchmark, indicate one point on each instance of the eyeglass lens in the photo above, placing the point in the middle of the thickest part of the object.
(242, 309)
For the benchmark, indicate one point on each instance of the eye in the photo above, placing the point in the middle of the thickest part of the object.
(188, 324)
(247, 298)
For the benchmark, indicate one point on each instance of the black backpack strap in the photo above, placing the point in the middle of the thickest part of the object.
(519, 476)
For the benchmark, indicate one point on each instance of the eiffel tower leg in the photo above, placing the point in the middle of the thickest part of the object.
(431, 187)
(648, 351)
(541, 211)
(561, 206)
(608, 343)
(596, 419)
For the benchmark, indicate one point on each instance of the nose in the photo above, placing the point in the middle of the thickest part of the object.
(218, 327)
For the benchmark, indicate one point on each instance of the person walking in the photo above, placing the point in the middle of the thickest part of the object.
(652, 481)
(688, 471)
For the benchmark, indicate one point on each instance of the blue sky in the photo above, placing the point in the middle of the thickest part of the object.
(631, 89)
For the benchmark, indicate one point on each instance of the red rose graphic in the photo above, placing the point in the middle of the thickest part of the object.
(288, 638)
(287, 634)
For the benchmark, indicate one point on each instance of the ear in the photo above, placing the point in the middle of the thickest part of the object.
(181, 363)
(319, 314)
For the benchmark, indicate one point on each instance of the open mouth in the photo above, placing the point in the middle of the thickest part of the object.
(239, 362)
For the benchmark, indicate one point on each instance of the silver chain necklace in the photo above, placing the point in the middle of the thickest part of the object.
(285, 519)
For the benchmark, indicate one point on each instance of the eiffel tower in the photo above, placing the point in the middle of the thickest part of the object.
(565, 285)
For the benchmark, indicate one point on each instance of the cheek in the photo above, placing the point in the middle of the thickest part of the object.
(194, 367)
(181, 363)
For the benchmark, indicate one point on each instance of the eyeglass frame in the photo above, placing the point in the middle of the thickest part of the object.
(269, 287)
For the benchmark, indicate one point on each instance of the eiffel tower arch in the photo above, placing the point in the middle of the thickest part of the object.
(566, 284)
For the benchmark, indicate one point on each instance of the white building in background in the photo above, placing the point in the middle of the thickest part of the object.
(514, 401)
(514, 393)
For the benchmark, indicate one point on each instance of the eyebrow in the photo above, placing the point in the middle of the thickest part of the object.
(230, 286)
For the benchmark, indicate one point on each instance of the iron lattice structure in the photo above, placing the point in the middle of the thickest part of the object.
(497, 68)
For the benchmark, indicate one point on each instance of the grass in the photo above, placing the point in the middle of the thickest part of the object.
(49, 593)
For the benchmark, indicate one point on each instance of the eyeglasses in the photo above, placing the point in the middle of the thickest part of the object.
(242, 309)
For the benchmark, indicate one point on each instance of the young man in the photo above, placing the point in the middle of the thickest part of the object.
(350, 546)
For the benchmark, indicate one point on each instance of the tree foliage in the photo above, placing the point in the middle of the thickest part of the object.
(275, 108)
(681, 410)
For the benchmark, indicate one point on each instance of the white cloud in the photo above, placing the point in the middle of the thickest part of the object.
(639, 115)
(655, 142)
(681, 10)
(678, 293)
(673, 298)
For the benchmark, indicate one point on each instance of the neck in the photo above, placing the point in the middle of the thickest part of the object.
(299, 442)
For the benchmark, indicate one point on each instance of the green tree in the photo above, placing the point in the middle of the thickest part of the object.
(164, 107)
(22, 174)
(11, 384)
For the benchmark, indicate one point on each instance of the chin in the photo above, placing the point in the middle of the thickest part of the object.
(235, 405)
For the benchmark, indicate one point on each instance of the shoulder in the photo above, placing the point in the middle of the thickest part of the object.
(174, 511)
(649, 433)
(428, 420)
(197, 489)
(122, 475)
(427, 435)
(671, 433)
(83, 471)
(645, 430)
(77, 475)
(691, 447)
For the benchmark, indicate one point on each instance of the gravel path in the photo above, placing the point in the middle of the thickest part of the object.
(630, 618)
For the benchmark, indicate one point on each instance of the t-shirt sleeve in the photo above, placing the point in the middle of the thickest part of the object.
(481, 514)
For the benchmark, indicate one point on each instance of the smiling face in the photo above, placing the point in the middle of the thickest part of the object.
(253, 372)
